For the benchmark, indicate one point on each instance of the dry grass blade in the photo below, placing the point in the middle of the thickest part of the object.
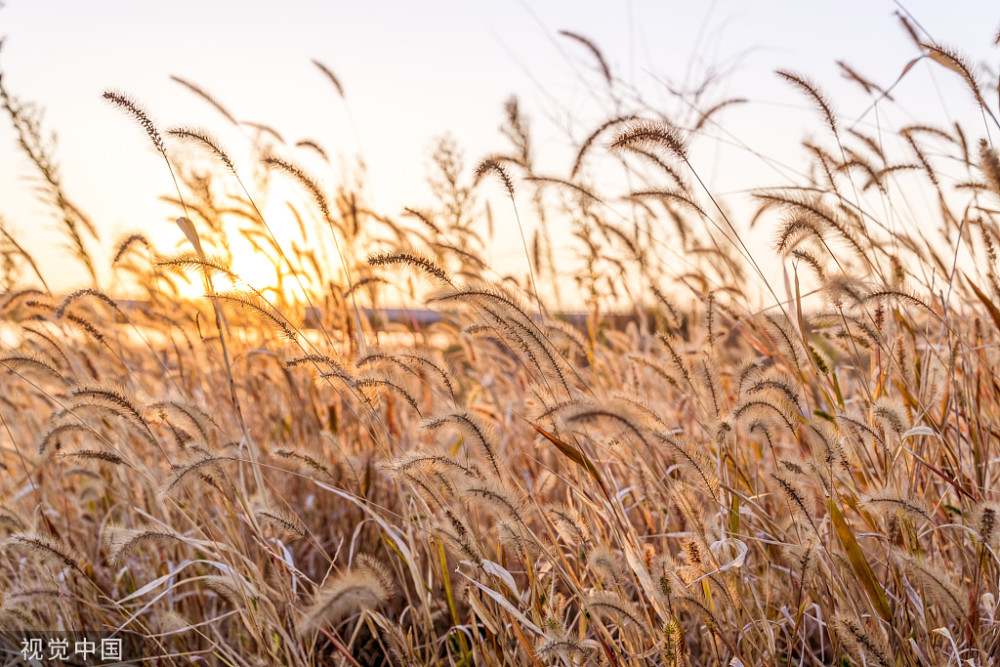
(858, 561)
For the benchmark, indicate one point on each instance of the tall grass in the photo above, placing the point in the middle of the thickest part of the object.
(287, 474)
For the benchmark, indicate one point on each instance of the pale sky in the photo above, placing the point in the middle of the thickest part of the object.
(413, 71)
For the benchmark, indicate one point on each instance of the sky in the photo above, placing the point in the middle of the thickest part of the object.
(414, 71)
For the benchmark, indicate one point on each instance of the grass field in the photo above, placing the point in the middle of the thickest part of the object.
(696, 466)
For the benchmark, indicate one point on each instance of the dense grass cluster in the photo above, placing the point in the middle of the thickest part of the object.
(736, 473)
